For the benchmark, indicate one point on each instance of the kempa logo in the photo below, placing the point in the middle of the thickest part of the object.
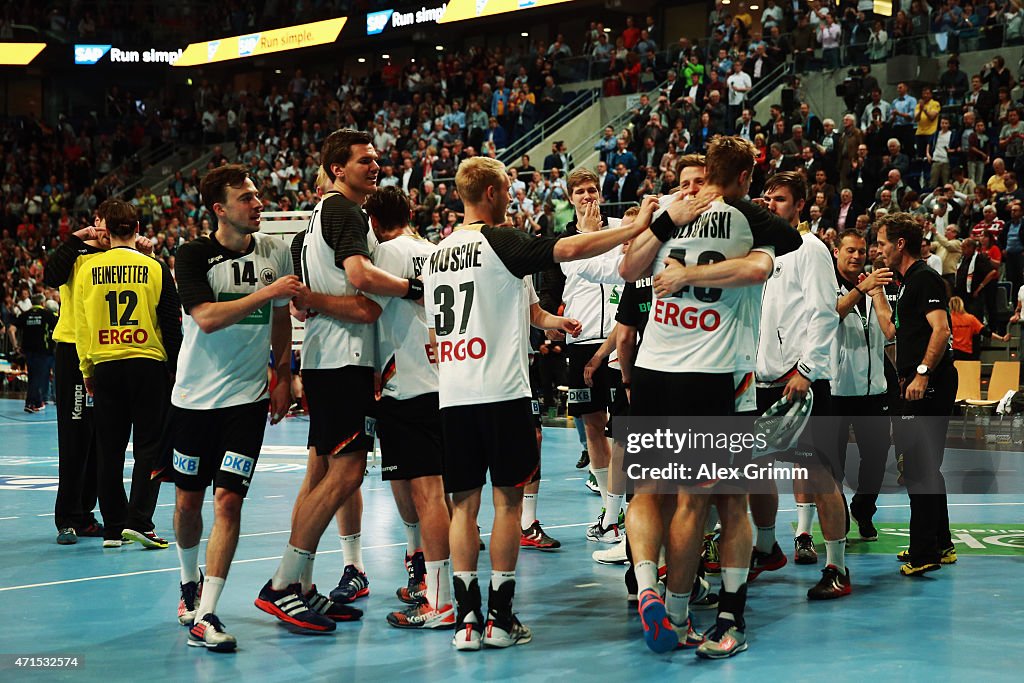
(76, 410)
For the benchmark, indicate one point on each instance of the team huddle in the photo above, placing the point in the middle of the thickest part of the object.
(697, 303)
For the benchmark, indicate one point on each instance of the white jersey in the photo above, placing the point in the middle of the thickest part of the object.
(591, 295)
(478, 306)
(799, 322)
(708, 330)
(860, 370)
(227, 367)
(337, 230)
(404, 357)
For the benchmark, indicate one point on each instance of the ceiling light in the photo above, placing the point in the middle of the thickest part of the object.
(385, 56)
(607, 30)
(362, 60)
(525, 34)
(439, 48)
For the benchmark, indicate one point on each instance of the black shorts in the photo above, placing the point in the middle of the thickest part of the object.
(219, 446)
(341, 408)
(620, 403)
(584, 400)
(656, 394)
(819, 438)
(410, 437)
(495, 437)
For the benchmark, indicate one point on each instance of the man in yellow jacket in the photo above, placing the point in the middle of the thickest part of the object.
(128, 333)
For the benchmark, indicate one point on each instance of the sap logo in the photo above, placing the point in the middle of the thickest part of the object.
(215, 259)
(579, 396)
(186, 464)
(377, 21)
(526, 4)
(90, 54)
(247, 44)
(238, 464)
(211, 49)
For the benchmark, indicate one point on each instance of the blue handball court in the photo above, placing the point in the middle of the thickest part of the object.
(115, 610)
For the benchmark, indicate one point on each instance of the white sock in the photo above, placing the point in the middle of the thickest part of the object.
(439, 585)
(613, 503)
(352, 550)
(712, 520)
(212, 586)
(412, 538)
(646, 575)
(602, 483)
(499, 579)
(765, 538)
(804, 517)
(306, 575)
(189, 559)
(290, 570)
(529, 514)
(835, 554)
(733, 578)
(678, 605)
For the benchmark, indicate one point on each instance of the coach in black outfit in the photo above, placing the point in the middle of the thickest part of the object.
(928, 382)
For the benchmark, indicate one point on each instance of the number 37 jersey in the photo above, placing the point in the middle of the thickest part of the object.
(710, 330)
(477, 303)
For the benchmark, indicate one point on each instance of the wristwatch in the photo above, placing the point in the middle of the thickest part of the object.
(923, 369)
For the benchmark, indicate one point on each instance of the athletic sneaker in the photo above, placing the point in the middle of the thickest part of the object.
(209, 632)
(147, 539)
(352, 586)
(469, 622)
(66, 536)
(867, 529)
(591, 484)
(688, 637)
(911, 569)
(833, 584)
(584, 460)
(709, 601)
(722, 640)
(600, 534)
(616, 554)
(189, 601)
(289, 606)
(503, 628)
(658, 632)
(948, 555)
(534, 537)
(804, 552)
(113, 542)
(326, 607)
(700, 591)
(416, 590)
(91, 530)
(423, 615)
(709, 553)
(766, 562)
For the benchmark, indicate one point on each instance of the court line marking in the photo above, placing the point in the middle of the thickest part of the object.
(587, 585)
(248, 561)
(8, 518)
(372, 547)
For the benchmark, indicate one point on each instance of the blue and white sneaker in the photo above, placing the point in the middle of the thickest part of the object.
(659, 634)
(352, 586)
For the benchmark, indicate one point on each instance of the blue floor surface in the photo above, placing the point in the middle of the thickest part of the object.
(116, 609)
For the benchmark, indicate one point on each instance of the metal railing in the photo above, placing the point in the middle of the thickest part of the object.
(587, 146)
(536, 135)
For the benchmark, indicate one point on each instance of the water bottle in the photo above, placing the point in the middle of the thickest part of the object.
(1017, 429)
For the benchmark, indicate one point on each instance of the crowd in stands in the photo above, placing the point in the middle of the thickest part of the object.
(950, 153)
